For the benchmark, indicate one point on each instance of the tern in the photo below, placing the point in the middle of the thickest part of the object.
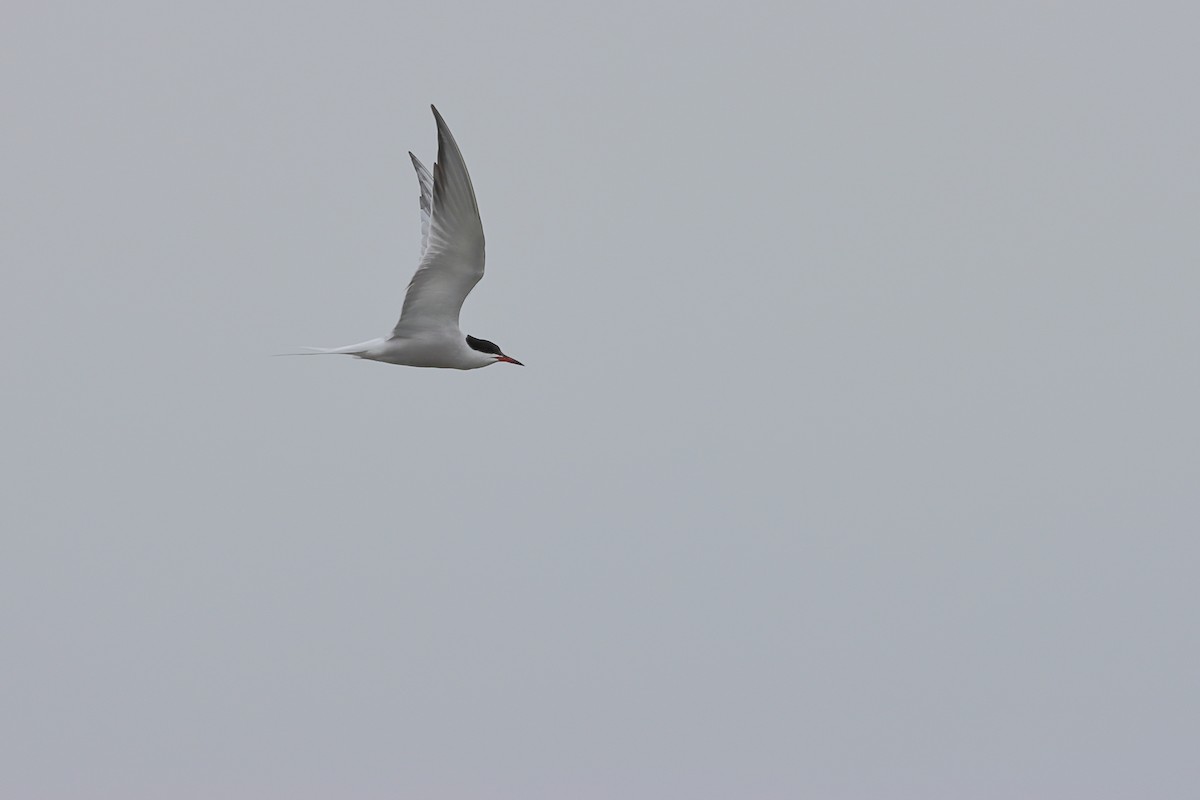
(428, 334)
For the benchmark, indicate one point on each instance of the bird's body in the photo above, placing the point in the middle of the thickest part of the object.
(452, 255)
(446, 349)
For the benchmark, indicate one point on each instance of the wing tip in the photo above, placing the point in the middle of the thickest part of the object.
(443, 128)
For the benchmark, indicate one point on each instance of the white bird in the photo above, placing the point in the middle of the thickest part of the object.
(427, 334)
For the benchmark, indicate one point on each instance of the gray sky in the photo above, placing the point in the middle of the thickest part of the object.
(856, 455)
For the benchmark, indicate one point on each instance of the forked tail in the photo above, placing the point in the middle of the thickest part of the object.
(349, 350)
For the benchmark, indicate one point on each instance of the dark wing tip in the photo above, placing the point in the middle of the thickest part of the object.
(441, 121)
(444, 137)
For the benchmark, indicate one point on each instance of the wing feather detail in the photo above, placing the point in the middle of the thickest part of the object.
(426, 181)
(452, 247)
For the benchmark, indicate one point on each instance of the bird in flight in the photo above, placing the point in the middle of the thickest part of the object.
(427, 334)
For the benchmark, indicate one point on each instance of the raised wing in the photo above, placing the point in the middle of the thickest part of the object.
(452, 257)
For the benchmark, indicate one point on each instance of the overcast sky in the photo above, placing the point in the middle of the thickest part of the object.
(857, 453)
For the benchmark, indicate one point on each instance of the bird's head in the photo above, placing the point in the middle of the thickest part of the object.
(490, 349)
